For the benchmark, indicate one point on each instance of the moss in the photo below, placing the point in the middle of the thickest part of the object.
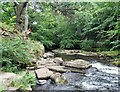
(116, 62)
(110, 53)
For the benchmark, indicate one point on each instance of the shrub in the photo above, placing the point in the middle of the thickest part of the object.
(87, 44)
(25, 82)
(66, 44)
(17, 53)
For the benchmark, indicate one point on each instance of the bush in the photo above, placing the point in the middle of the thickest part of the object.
(66, 44)
(87, 44)
(25, 82)
(17, 53)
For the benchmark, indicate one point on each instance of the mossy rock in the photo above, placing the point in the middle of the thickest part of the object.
(116, 63)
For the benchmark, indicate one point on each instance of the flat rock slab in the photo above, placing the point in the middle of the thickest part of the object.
(46, 62)
(43, 73)
(63, 69)
(78, 63)
(75, 52)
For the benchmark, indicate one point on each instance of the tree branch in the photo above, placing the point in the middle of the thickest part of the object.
(23, 6)
(16, 2)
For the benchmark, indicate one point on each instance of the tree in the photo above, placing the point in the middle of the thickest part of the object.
(20, 10)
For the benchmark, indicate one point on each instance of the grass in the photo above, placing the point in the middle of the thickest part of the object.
(111, 53)
(24, 82)
(115, 55)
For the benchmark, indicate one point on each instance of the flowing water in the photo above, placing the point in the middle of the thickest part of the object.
(100, 76)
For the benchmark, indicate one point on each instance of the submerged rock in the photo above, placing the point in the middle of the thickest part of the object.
(58, 78)
(43, 73)
(63, 69)
(78, 63)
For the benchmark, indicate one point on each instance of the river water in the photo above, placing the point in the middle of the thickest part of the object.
(100, 77)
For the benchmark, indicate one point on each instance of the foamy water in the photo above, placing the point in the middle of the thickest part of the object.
(107, 69)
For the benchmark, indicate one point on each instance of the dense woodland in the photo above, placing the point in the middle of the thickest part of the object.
(89, 26)
(70, 25)
(85, 25)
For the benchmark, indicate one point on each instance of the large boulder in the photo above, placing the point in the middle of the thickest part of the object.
(63, 69)
(43, 73)
(58, 78)
(6, 78)
(78, 63)
(58, 61)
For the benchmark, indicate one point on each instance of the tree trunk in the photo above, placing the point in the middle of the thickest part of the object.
(20, 7)
(18, 20)
(26, 17)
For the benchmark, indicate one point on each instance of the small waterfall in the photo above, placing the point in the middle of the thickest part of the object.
(101, 77)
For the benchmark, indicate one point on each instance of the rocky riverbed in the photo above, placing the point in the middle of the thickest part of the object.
(50, 67)
(72, 71)
(81, 72)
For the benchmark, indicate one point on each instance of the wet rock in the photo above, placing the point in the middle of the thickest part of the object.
(63, 69)
(43, 73)
(58, 78)
(78, 63)
(41, 82)
(58, 61)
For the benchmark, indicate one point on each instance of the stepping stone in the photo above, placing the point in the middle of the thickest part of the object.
(63, 69)
(43, 73)
(78, 63)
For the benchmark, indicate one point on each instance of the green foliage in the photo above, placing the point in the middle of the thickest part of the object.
(87, 44)
(66, 43)
(24, 82)
(69, 24)
(17, 52)
(7, 27)
(7, 14)
(2, 88)
(111, 53)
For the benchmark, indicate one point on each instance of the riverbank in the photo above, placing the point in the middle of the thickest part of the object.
(111, 57)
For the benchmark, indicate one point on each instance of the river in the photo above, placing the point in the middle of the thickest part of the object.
(100, 77)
